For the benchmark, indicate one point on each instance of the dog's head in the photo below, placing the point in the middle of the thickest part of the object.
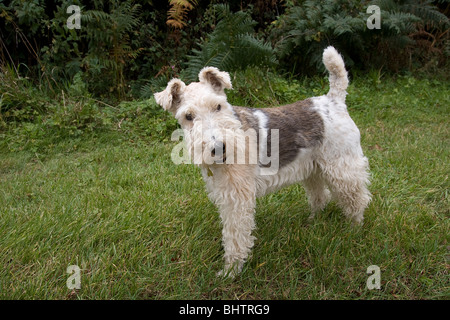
(203, 112)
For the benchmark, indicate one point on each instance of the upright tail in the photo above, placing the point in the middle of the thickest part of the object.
(338, 75)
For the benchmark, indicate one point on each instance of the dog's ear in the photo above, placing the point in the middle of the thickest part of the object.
(218, 80)
(171, 97)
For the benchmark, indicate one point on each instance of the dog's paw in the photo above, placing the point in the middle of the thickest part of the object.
(230, 271)
(358, 220)
(226, 274)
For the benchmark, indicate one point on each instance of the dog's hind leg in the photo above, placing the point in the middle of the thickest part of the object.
(348, 180)
(317, 192)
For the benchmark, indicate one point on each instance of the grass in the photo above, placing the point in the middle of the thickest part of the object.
(140, 227)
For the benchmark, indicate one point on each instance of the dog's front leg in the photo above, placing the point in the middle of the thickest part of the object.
(235, 197)
(238, 223)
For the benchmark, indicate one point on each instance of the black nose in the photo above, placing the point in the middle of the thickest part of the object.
(219, 149)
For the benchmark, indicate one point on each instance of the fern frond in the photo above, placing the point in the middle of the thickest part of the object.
(176, 16)
(399, 22)
(230, 46)
(427, 12)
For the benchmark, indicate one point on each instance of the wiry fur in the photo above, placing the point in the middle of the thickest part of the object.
(319, 145)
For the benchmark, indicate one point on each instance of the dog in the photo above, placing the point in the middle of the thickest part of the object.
(245, 153)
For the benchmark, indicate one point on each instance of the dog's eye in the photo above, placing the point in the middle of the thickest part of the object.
(189, 117)
(219, 107)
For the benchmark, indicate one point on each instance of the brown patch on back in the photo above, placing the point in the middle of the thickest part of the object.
(299, 127)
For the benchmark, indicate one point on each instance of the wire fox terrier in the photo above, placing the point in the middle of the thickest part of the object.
(245, 153)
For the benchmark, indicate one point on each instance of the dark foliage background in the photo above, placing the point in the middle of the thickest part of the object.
(128, 49)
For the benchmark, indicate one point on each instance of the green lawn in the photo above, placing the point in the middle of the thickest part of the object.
(140, 227)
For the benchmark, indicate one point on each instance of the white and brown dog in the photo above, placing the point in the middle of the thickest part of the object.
(245, 153)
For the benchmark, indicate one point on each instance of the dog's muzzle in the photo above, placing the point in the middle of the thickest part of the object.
(218, 152)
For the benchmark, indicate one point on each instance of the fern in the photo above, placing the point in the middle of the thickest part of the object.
(424, 11)
(176, 16)
(231, 46)
(304, 31)
(399, 22)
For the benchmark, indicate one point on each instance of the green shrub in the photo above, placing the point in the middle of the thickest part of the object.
(305, 30)
(144, 118)
(19, 99)
(231, 46)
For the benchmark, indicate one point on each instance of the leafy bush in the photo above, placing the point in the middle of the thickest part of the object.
(75, 112)
(19, 99)
(257, 87)
(231, 46)
(110, 48)
(143, 118)
(304, 31)
(128, 49)
(120, 43)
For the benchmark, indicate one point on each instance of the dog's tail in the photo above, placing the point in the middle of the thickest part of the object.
(338, 75)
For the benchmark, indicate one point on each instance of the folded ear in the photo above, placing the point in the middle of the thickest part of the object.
(171, 97)
(219, 80)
